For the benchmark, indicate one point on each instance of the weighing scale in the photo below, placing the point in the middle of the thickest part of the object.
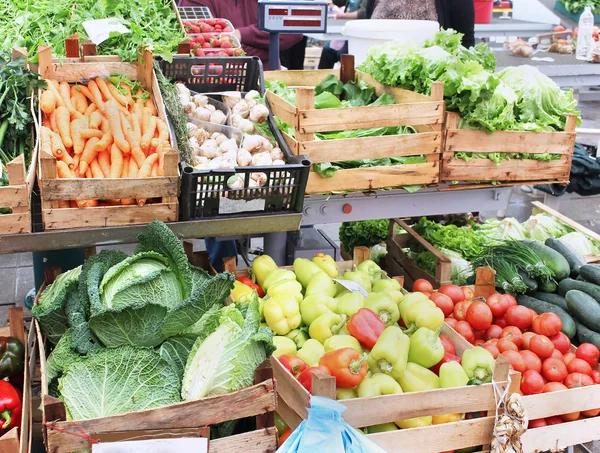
(295, 16)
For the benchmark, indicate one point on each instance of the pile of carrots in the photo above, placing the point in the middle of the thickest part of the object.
(101, 130)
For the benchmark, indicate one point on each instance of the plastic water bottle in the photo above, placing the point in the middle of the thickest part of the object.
(585, 41)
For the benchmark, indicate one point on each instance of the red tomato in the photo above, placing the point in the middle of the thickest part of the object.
(479, 316)
(554, 370)
(561, 342)
(595, 375)
(447, 344)
(421, 285)
(451, 322)
(590, 413)
(479, 334)
(464, 329)
(460, 310)
(532, 361)
(497, 305)
(575, 380)
(537, 423)
(578, 365)
(570, 417)
(467, 292)
(516, 361)
(527, 338)
(501, 321)
(519, 316)
(532, 382)
(493, 331)
(533, 313)
(549, 324)
(556, 420)
(478, 342)
(506, 345)
(443, 302)
(294, 364)
(513, 334)
(248, 282)
(568, 357)
(509, 300)
(557, 354)
(541, 345)
(454, 292)
(554, 387)
(492, 349)
(589, 353)
(305, 378)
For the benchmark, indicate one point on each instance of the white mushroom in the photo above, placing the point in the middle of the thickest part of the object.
(200, 100)
(228, 145)
(261, 159)
(218, 117)
(276, 154)
(202, 114)
(259, 113)
(241, 108)
(244, 158)
(231, 98)
(252, 143)
(209, 149)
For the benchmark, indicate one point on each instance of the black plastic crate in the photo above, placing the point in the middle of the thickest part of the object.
(208, 74)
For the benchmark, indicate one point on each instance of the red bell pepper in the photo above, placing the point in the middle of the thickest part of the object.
(347, 365)
(10, 406)
(447, 358)
(248, 282)
(293, 364)
(366, 327)
(305, 377)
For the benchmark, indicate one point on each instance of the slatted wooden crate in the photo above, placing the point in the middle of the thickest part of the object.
(482, 172)
(426, 113)
(163, 189)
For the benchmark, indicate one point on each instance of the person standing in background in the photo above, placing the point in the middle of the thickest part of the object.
(332, 50)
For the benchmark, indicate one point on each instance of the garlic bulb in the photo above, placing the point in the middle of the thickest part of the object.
(188, 108)
(261, 159)
(235, 182)
(182, 90)
(252, 95)
(243, 124)
(211, 108)
(266, 144)
(215, 164)
(231, 98)
(252, 143)
(228, 145)
(259, 113)
(201, 100)
(278, 162)
(200, 161)
(252, 184)
(244, 158)
(183, 99)
(201, 135)
(191, 127)
(202, 114)
(276, 154)
(215, 135)
(220, 139)
(228, 163)
(241, 108)
(218, 117)
(209, 149)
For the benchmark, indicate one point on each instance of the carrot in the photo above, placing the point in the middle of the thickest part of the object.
(104, 162)
(79, 101)
(154, 172)
(62, 170)
(76, 160)
(90, 109)
(116, 162)
(88, 155)
(58, 148)
(52, 119)
(137, 110)
(64, 204)
(139, 99)
(87, 203)
(133, 168)
(67, 159)
(97, 96)
(114, 118)
(117, 95)
(47, 101)
(65, 92)
(127, 201)
(125, 170)
(136, 150)
(80, 116)
(46, 122)
(45, 141)
(89, 133)
(53, 86)
(161, 160)
(95, 120)
(148, 128)
(107, 137)
(130, 100)
(146, 168)
(78, 140)
(150, 104)
(96, 170)
(106, 94)
(137, 132)
(63, 119)
(88, 173)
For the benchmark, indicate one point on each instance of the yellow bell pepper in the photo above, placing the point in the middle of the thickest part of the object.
(326, 326)
(346, 394)
(282, 314)
(239, 290)
(342, 341)
(416, 422)
(311, 352)
(283, 346)
(446, 418)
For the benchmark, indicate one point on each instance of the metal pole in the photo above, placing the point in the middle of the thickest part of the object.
(275, 246)
(274, 52)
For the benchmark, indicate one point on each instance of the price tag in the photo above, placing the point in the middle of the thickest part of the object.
(99, 30)
(352, 286)
(229, 206)
(191, 444)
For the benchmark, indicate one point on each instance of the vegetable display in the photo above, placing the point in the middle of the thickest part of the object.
(216, 45)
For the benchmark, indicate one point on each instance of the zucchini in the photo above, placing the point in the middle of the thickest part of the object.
(584, 308)
(532, 284)
(574, 259)
(552, 259)
(585, 335)
(553, 299)
(547, 287)
(589, 288)
(591, 273)
(540, 306)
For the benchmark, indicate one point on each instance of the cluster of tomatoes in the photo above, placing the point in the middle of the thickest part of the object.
(207, 26)
(215, 45)
(533, 344)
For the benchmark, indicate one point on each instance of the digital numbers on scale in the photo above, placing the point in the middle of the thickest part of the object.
(281, 17)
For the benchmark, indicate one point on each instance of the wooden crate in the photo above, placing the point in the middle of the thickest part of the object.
(510, 172)
(18, 440)
(398, 262)
(426, 113)
(164, 188)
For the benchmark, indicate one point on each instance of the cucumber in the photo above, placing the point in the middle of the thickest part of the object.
(553, 299)
(552, 259)
(589, 288)
(547, 287)
(584, 308)
(539, 306)
(591, 273)
(532, 284)
(585, 335)
(574, 259)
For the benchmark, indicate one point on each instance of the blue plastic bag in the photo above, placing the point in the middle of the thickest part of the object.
(326, 431)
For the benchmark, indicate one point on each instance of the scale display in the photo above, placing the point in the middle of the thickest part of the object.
(275, 16)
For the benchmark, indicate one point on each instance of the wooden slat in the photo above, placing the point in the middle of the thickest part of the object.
(290, 390)
(485, 169)
(9, 442)
(416, 236)
(106, 189)
(282, 109)
(556, 403)
(304, 78)
(378, 147)
(76, 71)
(14, 196)
(400, 95)
(472, 186)
(564, 219)
(288, 415)
(259, 441)
(458, 140)
(374, 178)
(15, 223)
(557, 437)
(485, 282)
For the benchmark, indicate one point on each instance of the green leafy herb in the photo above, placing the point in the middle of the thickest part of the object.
(365, 233)
(331, 84)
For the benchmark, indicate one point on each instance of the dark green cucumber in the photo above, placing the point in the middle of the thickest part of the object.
(532, 284)
(552, 259)
(547, 287)
(553, 299)
(589, 288)
(584, 308)
(539, 306)
(585, 335)
(574, 259)
(591, 273)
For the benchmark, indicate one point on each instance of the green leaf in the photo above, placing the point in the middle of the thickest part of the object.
(331, 84)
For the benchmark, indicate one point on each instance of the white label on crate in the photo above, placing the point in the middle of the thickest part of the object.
(352, 286)
(99, 30)
(195, 444)
(229, 206)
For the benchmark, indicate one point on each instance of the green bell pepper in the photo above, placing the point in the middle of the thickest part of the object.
(311, 352)
(345, 394)
(321, 283)
(350, 303)
(283, 345)
(282, 314)
(426, 348)
(412, 311)
(305, 270)
(327, 263)
(378, 384)
(396, 296)
(390, 353)
(359, 277)
(372, 269)
(298, 336)
(417, 378)
(277, 276)
(326, 326)
(431, 318)
(409, 300)
(478, 363)
(384, 307)
(286, 287)
(316, 305)
(280, 424)
(342, 341)
(383, 428)
(262, 266)
(452, 374)
(386, 284)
